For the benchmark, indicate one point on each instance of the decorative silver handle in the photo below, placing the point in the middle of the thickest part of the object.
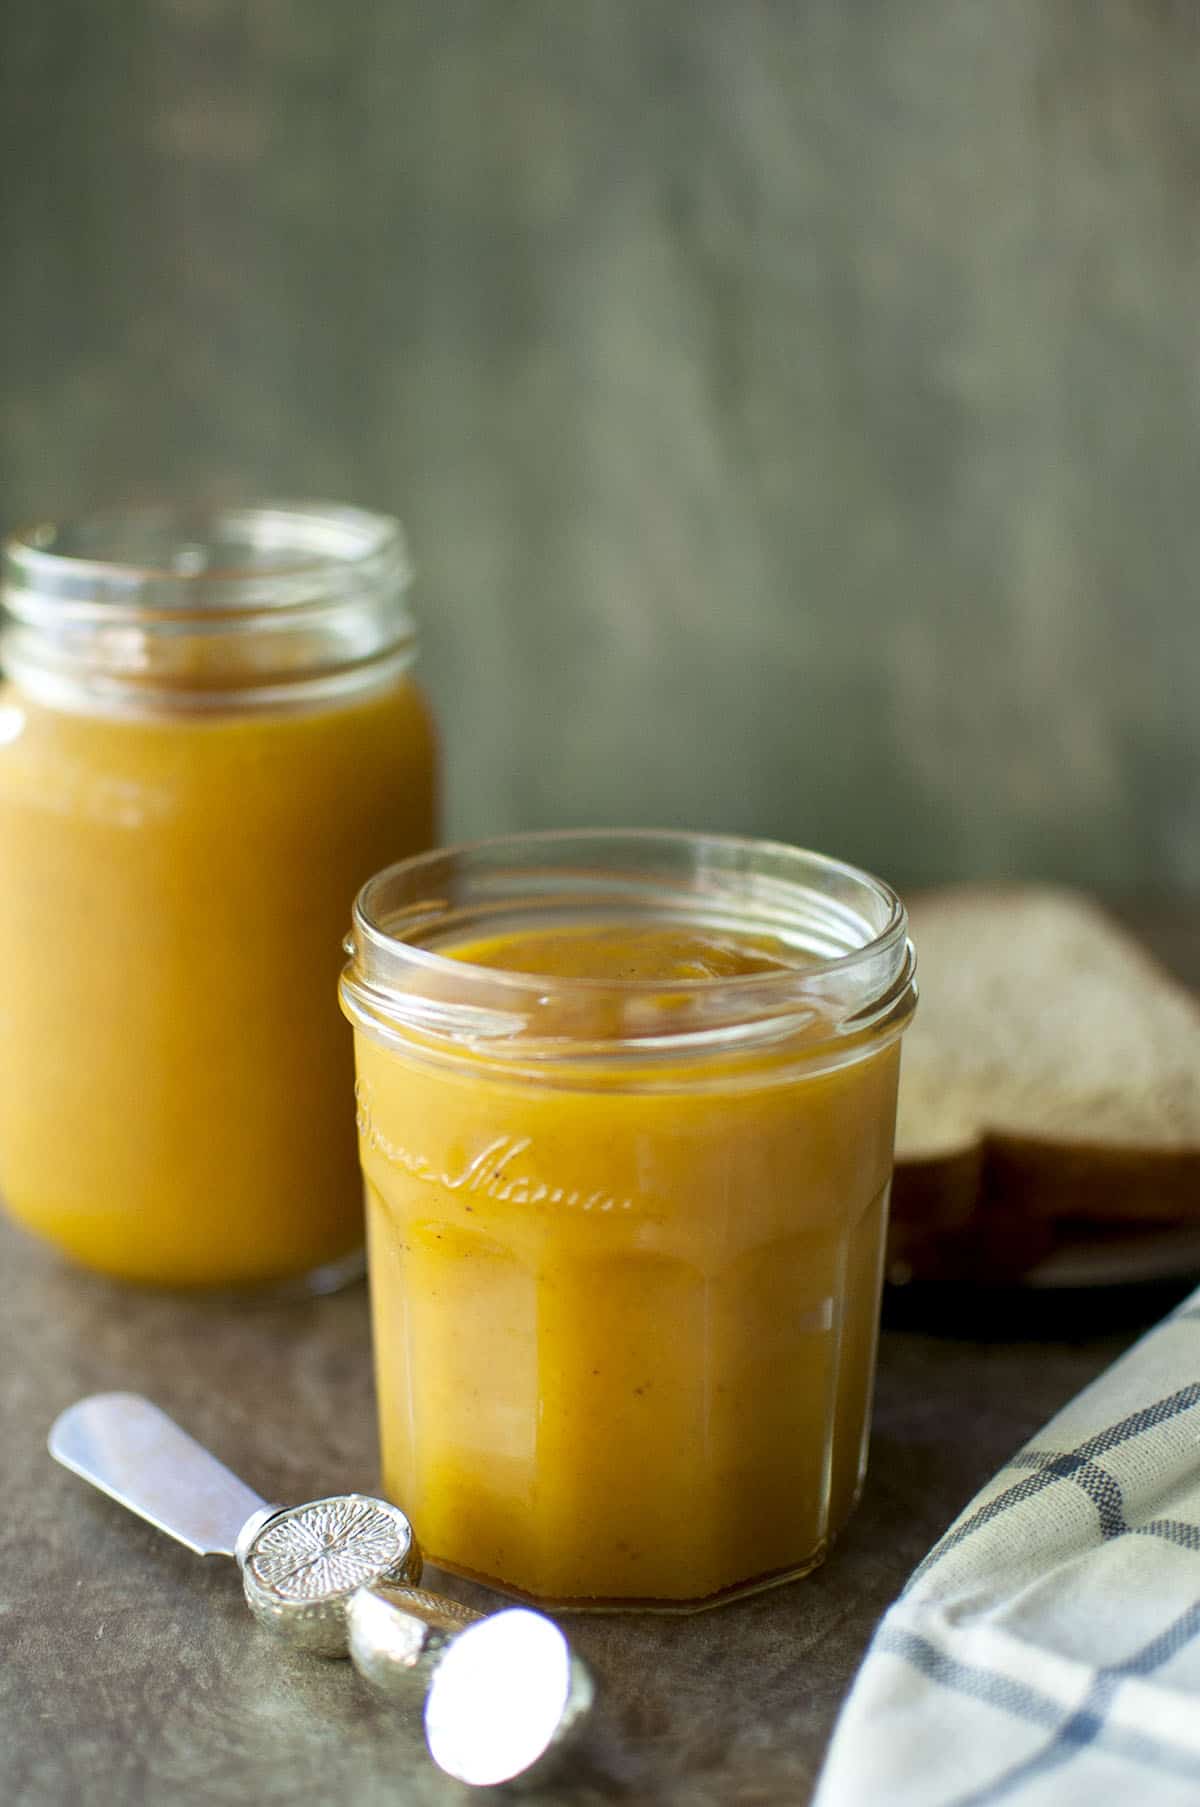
(398, 1633)
(300, 1565)
(506, 1698)
(507, 1702)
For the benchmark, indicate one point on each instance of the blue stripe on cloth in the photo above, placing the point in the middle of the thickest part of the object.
(1066, 1466)
(1106, 1493)
(1144, 1419)
(1082, 1729)
(1002, 1691)
(1162, 1648)
(1174, 1530)
(1087, 1725)
(1102, 1488)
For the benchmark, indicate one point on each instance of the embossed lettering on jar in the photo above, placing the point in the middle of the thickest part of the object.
(626, 1106)
(209, 737)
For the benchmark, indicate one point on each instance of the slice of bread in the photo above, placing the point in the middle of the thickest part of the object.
(1051, 1076)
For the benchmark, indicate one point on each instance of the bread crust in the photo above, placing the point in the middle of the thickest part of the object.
(1035, 1179)
(993, 1206)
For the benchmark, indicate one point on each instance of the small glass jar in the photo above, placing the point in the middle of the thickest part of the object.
(626, 1233)
(209, 738)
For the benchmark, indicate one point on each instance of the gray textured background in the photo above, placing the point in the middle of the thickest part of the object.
(795, 408)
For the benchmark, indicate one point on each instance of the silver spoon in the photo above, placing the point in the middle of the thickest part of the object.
(300, 1564)
(505, 1695)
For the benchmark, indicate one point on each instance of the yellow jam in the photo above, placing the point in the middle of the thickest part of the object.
(174, 1079)
(625, 1328)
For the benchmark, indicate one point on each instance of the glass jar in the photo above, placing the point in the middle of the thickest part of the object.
(209, 738)
(626, 1233)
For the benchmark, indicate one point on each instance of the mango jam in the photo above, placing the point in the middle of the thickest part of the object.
(174, 1083)
(625, 1321)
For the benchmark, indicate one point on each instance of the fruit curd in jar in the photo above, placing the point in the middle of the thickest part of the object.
(625, 1264)
(180, 848)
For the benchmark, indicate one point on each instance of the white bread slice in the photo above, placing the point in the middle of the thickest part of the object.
(1052, 1072)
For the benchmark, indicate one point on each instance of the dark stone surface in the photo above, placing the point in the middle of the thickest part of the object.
(132, 1672)
(132, 1675)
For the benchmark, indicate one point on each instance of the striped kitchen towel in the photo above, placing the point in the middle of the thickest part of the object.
(1047, 1650)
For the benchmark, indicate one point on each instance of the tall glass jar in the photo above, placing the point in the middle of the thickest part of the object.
(209, 737)
(626, 1106)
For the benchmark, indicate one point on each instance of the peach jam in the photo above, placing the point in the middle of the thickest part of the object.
(209, 739)
(626, 1106)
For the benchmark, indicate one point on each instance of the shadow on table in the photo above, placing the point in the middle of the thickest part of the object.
(1027, 1314)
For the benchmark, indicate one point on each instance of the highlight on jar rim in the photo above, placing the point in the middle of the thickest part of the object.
(840, 934)
(247, 607)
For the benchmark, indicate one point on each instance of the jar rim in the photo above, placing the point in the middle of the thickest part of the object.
(284, 545)
(894, 930)
(857, 980)
(226, 607)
